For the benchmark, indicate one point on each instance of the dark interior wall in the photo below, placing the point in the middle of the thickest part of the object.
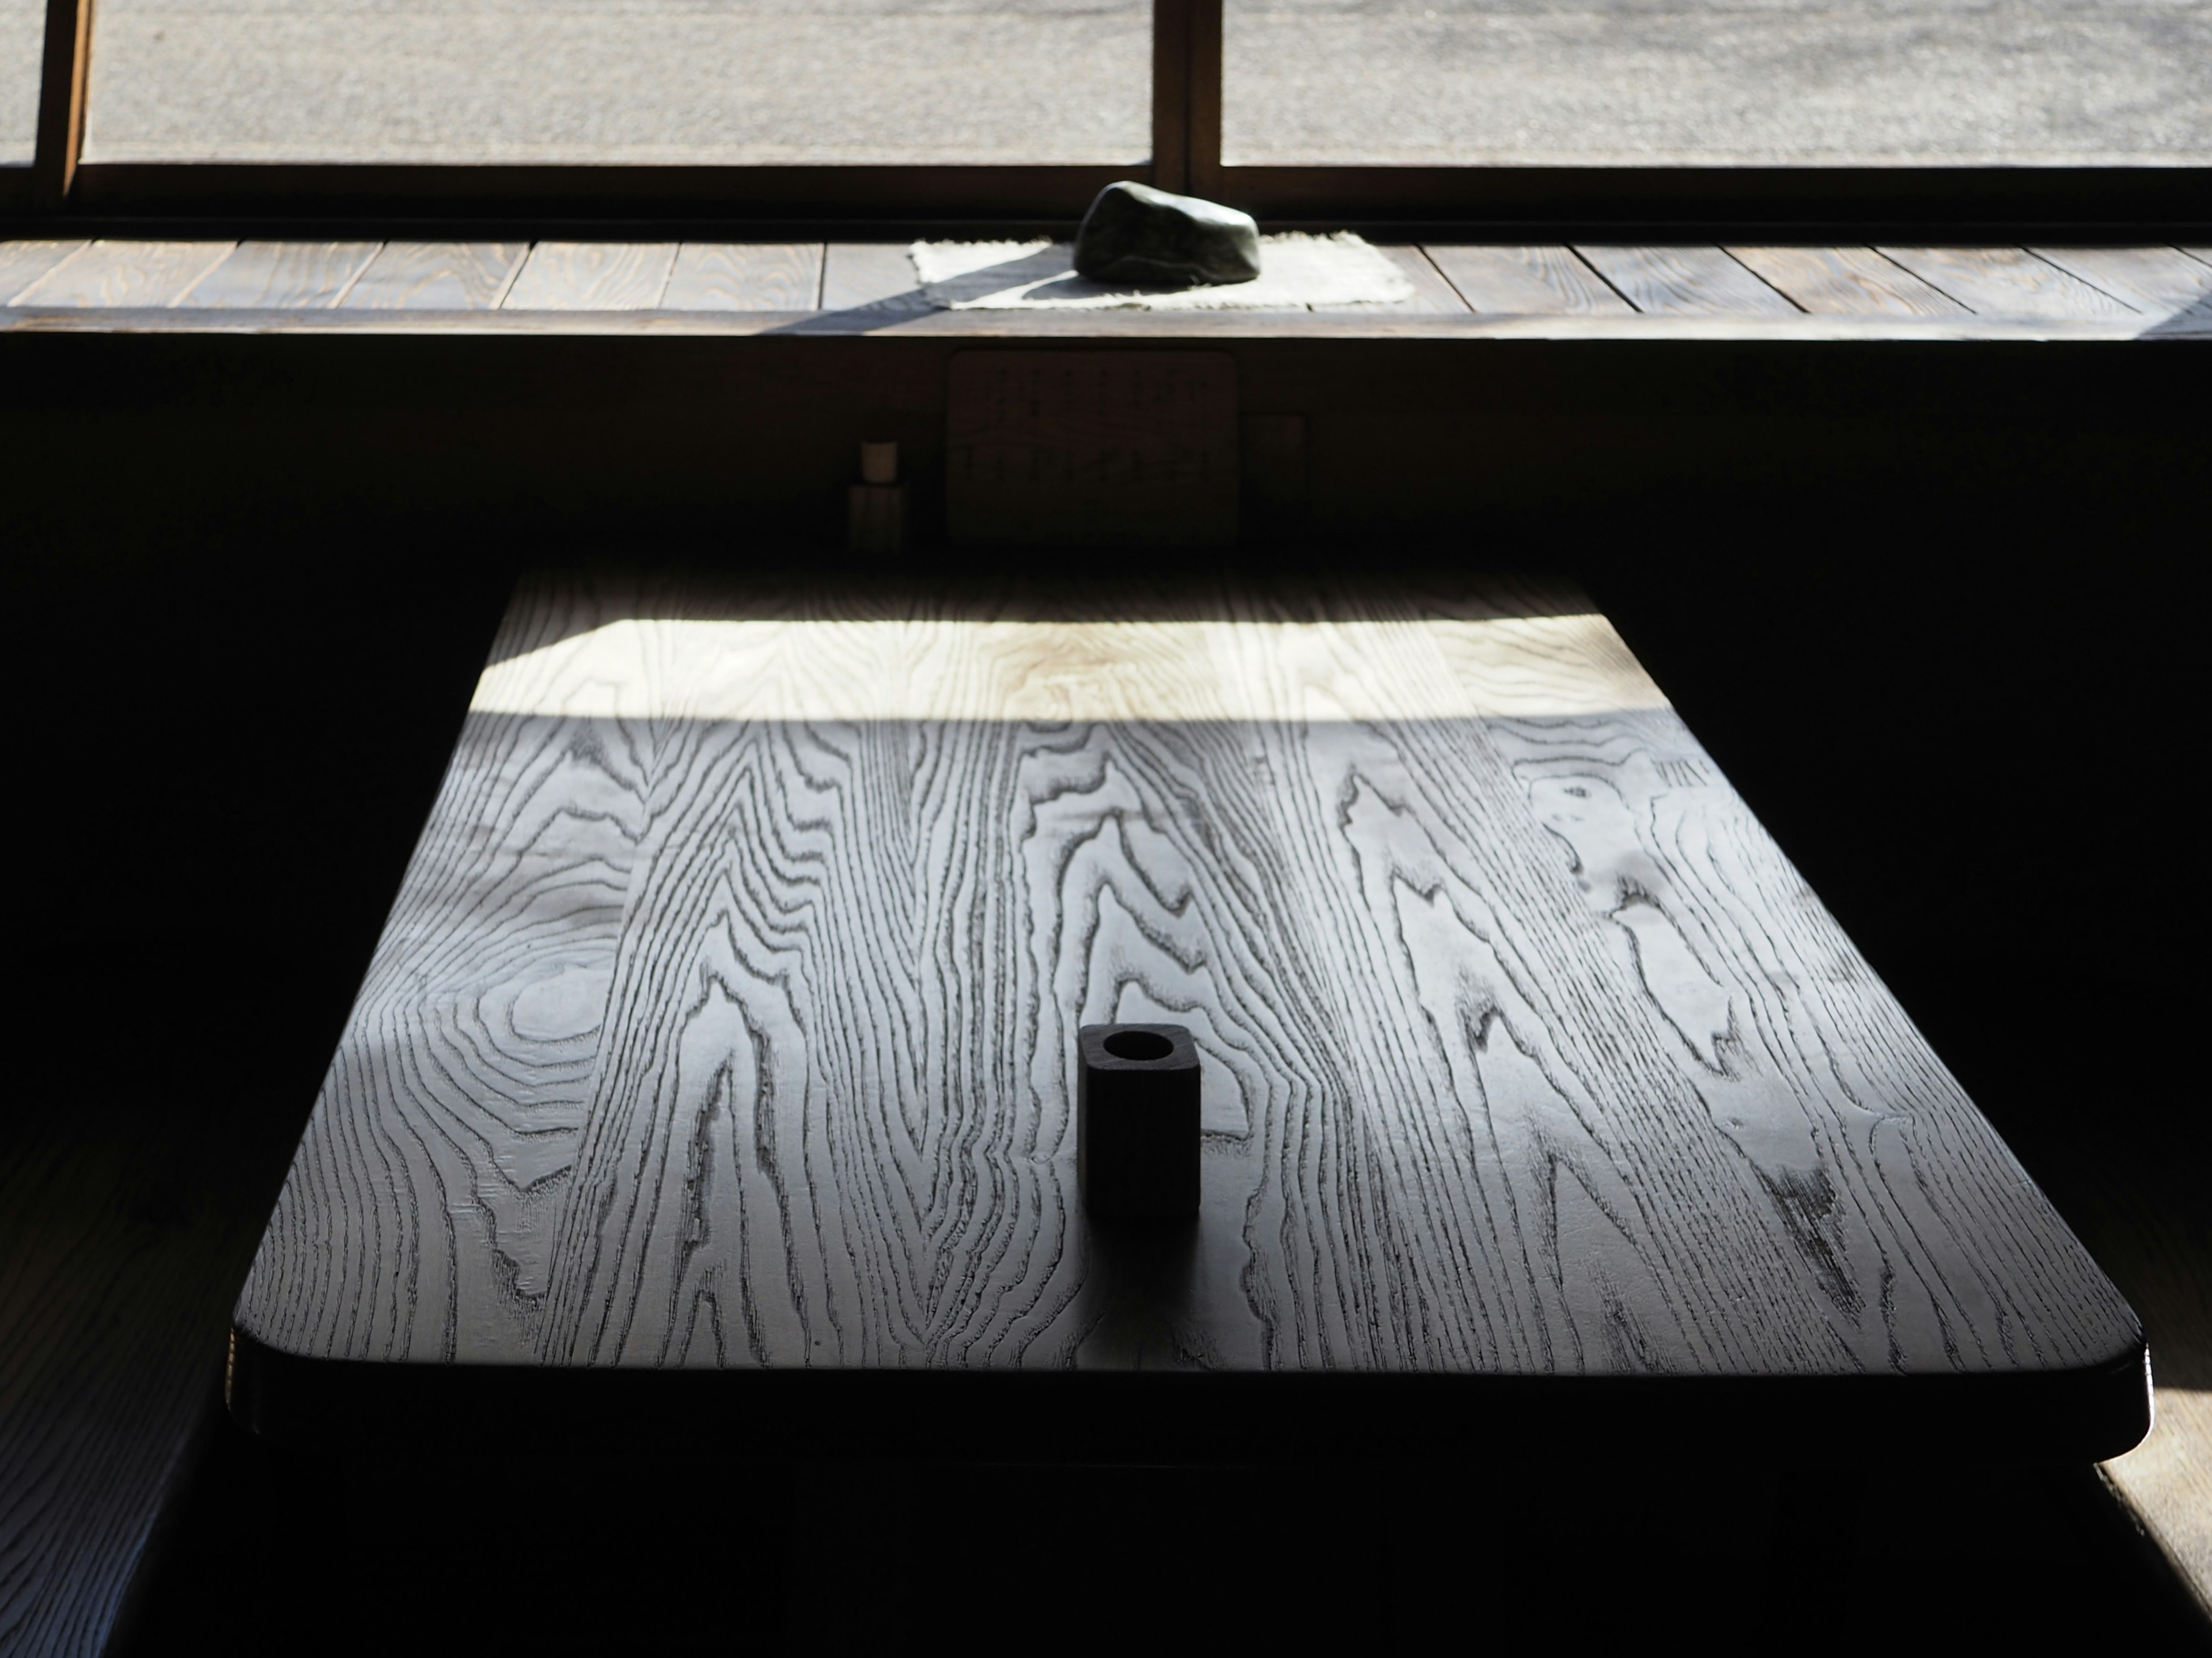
(1766, 445)
(1935, 609)
(1932, 605)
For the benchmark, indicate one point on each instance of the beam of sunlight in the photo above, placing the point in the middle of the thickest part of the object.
(2167, 1481)
(1050, 671)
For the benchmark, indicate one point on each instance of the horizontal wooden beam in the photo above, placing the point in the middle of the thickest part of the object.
(1962, 197)
(1972, 204)
(303, 190)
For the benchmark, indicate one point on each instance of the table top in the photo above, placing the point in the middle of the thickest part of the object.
(725, 1022)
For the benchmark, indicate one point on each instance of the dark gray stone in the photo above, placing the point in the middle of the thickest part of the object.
(1134, 234)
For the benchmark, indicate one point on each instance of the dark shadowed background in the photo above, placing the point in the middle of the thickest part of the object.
(1935, 609)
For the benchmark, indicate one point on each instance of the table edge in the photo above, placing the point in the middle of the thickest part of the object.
(2086, 1412)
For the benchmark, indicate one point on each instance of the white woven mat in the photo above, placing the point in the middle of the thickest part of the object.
(1296, 273)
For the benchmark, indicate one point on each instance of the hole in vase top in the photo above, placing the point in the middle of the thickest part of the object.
(1138, 1045)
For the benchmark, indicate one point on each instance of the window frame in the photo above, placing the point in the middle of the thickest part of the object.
(1186, 155)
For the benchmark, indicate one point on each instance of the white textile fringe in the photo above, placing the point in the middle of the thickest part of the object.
(1296, 273)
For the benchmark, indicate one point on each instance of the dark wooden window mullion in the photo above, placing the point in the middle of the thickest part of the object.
(1205, 105)
(1171, 93)
(1978, 203)
(1187, 95)
(60, 101)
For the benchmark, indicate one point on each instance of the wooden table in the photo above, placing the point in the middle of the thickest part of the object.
(715, 1069)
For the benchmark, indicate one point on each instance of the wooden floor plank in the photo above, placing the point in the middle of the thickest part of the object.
(114, 1269)
(106, 274)
(2005, 282)
(2167, 1482)
(858, 274)
(284, 275)
(1543, 281)
(1685, 282)
(1433, 294)
(1184, 328)
(2192, 321)
(2167, 1479)
(437, 276)
(1845, 282)
(745, 276)
(593, 276)
(2140, 1205)
(22, 264)
(2156, 281)
(2079, 285)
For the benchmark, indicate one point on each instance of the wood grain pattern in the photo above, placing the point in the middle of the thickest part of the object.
(2156, 281)
(1052, 670)
(2167, 1482)
(114, 1271)
(2194, 323)
(1432, 294)
(284, 275)
(1845, 282)
(119, 273)
(2152, 1230)
(856, 275)
(593, 276)
(1527, 281)
(1188, 329)
(23, 263)
(745, 276)
(437, 276)
(1685, 282)
(2009, 286)
(709, 1042)
(2005, 282)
